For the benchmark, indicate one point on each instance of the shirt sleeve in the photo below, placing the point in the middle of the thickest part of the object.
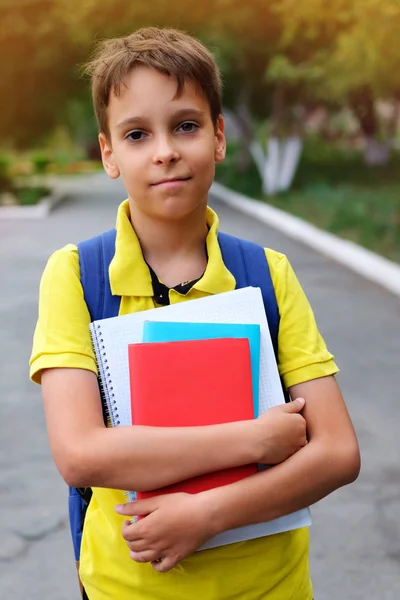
(302, 352)
(62, 335)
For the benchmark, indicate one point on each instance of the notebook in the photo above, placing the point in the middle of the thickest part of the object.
(164, 331)
(190, 383)
(111, 338)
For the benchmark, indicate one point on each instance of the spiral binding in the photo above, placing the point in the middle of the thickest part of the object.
(105, 379)
(106, 387)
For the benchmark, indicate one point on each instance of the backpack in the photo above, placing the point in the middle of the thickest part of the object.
(245, 260)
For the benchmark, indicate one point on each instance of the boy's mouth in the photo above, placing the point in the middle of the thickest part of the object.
(170, 182)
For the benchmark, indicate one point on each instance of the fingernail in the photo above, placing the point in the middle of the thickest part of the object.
(301, 400)
(119, 508)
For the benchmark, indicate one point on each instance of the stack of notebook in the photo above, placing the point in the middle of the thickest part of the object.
(202, 362)
(193, 382)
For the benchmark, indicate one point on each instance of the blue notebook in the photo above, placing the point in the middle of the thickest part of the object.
(162, 331)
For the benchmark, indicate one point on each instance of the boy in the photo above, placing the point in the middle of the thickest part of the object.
(158, 103)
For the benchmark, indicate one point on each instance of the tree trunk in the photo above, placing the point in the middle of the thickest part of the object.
(376, 153)
(290, 158)
(280, 164)
(258, 155)
(272, 165)
(363, 105)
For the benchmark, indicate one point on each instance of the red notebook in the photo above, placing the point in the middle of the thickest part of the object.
(189, 383)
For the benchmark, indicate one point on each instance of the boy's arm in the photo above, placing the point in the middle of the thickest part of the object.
(89, 454)
(329, 460)
(145, 458)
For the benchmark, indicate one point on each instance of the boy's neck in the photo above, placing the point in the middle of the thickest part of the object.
(175, 250)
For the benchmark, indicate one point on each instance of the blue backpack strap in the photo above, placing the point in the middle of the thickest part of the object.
(248, 264)
(95, 256)
(77, 509)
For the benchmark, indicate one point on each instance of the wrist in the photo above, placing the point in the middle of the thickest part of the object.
(246, 442)
(210, 505)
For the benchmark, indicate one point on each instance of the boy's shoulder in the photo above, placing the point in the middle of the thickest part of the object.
(278, 263)
(275, 257)
(284, 279)
(61, 262)
(67, 252)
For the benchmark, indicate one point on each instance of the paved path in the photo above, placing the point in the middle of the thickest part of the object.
(356, 532)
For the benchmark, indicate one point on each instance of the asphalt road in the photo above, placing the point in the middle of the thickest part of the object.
(355, 537)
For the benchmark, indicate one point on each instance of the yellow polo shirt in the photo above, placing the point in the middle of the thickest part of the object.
(271, 568)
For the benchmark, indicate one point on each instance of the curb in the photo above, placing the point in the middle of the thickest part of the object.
(41, 210)
(369, 265)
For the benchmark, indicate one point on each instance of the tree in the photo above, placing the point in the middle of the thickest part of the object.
(357, 64)
(47, 41)
(247, 35)
(37, 76)
(264, 60)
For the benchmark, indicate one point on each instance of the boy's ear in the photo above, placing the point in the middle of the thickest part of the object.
(107, 156)
(220, 141)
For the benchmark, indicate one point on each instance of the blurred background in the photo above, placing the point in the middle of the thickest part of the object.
(311, 96)
(312, 106)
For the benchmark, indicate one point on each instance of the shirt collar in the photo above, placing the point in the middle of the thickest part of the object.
(130, 275)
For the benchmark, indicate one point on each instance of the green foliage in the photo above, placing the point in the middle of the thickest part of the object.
(5, 175)
(328, 164)
(247, 36)
(335, 191)
(39, 73)
(274, 53)
(81, 121)
(369, 217)
(343, 45)
(24, 194)
(5, 163)
(282, 69)
(30, 195)
(40, 161)
(47, 41)
(248, 183)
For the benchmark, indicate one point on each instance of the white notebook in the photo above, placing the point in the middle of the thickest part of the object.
(112, 336)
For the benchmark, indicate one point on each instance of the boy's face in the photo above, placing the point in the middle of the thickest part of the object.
(163, 147)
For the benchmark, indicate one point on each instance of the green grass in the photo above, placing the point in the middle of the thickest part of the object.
(27, 196)
(339, 194)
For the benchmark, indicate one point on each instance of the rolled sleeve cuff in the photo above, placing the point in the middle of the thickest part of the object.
(309, 372)
(63, 361)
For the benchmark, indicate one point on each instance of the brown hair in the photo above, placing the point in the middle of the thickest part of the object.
(168, 51)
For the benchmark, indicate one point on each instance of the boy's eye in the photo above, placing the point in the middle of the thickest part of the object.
(135, 136)
(188, 127)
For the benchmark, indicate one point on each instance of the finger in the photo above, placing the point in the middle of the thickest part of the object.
(141, 507)
(125, 509)
(139, 545)
(145, 556)
(138, 508)
(295, 406)
(166, 564)
(130, 531)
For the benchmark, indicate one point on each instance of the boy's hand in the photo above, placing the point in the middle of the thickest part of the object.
(174, 527)
(281, 432)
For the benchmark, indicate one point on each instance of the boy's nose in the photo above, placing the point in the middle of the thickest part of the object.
(165, 152)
